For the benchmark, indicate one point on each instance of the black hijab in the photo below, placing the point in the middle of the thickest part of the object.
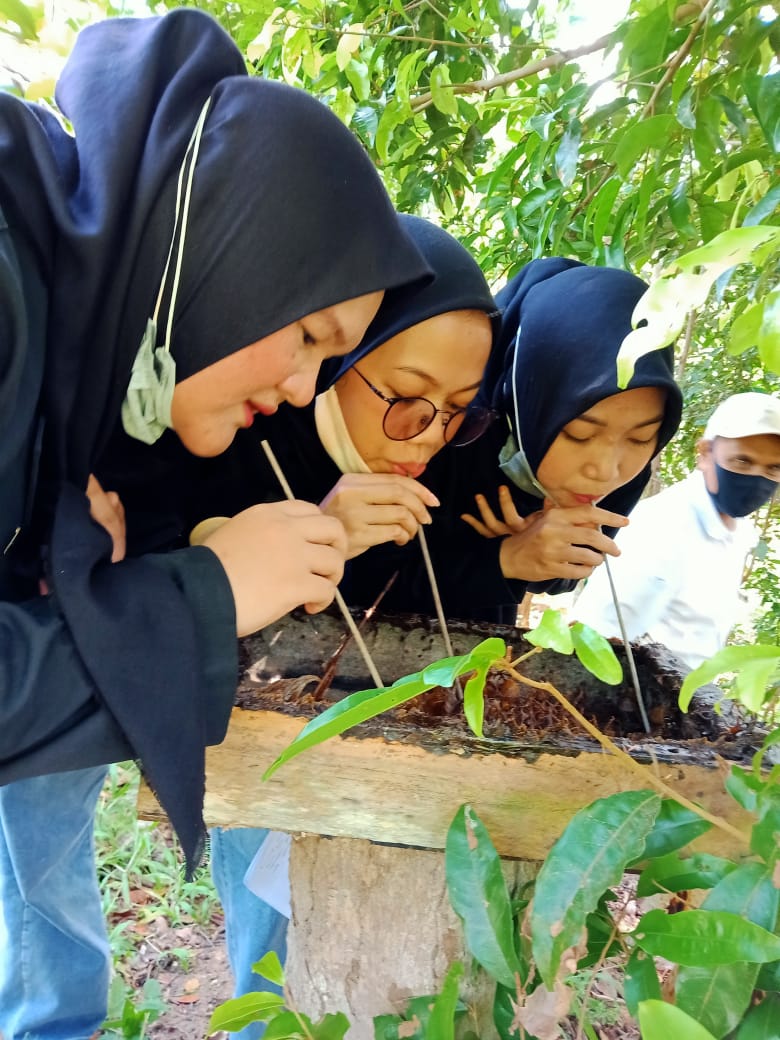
(458, 284)
(562, 326)
(287, 216)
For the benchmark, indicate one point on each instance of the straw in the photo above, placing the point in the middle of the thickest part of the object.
(372, 668)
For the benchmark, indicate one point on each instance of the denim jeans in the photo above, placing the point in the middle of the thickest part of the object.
(252, 927)
(55, 961)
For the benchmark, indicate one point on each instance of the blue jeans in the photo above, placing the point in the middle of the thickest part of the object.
(252, 927)
(55, 961)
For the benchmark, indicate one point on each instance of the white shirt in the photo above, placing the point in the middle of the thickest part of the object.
(678, 575)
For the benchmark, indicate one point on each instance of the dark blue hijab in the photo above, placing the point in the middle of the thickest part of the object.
(457, 284)
(288, 214)
(562, 326)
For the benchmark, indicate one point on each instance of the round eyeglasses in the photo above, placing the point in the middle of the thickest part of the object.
(408, 417)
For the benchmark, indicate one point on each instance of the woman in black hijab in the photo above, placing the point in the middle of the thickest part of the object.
(248, 224)
(563, 323)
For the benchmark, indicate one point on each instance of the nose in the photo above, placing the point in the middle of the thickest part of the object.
(603, 466)
(298, 389)
(432, 437)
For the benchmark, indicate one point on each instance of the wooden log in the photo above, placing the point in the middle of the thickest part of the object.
(371, 922)
(397, 780)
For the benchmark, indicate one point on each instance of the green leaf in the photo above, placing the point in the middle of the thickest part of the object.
(441, 1025)
(349, 45)
(768, 340)
(680, 209)
(762, 1021)
(270, 967)
(366, 704)
(643, 136)
(242, 1011)
(684, 285)
(479, 896)
(763, 93)
(718, 996)
(705, 938)
(443, 97)
(552, 633)
(330, 1027)
(359, 79)
(413, 1023)
(674, 827)
(18, 12)
(286, 1026)
(753, 664)
(765, 839)
(743, 787)
(685, 115)
(640, 981)
(589, 857)
(670, 873)
(596, 654)
(769, 977)
(744, 330)
(660, 1021)
(568, 153)
(474, 698)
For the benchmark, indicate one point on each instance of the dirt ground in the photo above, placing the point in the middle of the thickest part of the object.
(192, 985)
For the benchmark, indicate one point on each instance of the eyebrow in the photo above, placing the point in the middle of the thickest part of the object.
(600, 422)
(435, 384)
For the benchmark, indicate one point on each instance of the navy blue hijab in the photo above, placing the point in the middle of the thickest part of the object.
(458, 284)
(562, 326)
(288, 214)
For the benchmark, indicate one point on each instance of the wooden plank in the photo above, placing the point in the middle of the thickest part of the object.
(401, 793)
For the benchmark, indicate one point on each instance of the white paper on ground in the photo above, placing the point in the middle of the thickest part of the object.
(268, 875)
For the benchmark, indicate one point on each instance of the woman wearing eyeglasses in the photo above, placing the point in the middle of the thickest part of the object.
(360, 449)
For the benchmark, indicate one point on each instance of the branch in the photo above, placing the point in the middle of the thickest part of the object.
(531, 69)
(340, 31)
(648, 777)
(674, 63)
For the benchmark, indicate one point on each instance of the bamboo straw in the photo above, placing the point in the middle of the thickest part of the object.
(372, 668)
(435, 590)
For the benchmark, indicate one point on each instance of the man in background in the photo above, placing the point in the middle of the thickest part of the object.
(683, 553)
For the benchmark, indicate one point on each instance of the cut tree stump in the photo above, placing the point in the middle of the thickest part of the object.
(371, 922)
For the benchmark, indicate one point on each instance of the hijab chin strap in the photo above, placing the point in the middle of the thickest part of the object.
(512, 459)
(146, 409)
(332, 431)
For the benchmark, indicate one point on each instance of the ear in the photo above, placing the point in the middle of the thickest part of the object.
(703, 451)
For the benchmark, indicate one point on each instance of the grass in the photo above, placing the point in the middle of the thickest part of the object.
(140, 870)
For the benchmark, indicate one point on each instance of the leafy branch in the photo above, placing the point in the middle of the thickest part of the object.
(552, 61)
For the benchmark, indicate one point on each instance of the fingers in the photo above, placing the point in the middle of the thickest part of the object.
(478, 526)
(512, 518)
(496, 528)
(277, 556)
(107, 510)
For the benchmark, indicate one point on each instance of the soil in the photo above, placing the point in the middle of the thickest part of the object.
(190, 963)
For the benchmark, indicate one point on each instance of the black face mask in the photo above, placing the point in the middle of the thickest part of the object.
(740, 493)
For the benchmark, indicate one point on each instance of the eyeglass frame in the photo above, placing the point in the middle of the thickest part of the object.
(390, 401)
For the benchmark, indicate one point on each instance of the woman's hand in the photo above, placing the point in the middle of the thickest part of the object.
(490, 526)
(278, 556)
(552, 543)
(106, 509)
(378, 507)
